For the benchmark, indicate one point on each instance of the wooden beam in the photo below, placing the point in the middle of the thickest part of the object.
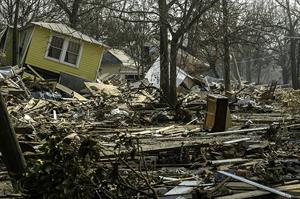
(70, 92)
(9, 146)
(34, 72)
(256, 193)
(243, 131)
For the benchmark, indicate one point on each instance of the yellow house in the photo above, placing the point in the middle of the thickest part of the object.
(54, 48)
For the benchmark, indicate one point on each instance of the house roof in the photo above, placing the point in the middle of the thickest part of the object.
(66, 30)
(126, 60)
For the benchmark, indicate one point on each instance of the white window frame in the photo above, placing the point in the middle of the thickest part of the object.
(48, 48)
(64, 51)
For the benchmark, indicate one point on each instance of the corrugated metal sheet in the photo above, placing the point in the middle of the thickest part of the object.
(66, 30)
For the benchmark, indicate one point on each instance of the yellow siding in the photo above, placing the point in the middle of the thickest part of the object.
(110, 68)
(89, 61)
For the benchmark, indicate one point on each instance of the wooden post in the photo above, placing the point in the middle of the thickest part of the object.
(9, 146)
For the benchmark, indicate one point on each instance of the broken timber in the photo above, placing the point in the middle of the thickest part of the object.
(256, 193)
(275, 191)
(9, 146)
(70, 92)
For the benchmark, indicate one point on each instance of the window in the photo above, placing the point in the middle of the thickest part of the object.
(72, 53)
(56, 47)
(64, 50)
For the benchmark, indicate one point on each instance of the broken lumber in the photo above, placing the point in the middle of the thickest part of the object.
(256, 193)
(229, 161)
(260, 186)
(34, 72)
(9, 146)
(239, 131)
(70, 92)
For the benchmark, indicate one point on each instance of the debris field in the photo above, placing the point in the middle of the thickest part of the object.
(122, 141)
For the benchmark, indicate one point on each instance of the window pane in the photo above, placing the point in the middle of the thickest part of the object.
(72, 52)
(57, 42)
(71, 58)
(54, 52)
(55, 48)
(73, 47)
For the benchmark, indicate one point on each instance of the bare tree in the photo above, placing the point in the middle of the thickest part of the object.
(290, 24)
(71, 8)
(181, 17)
(29, 10)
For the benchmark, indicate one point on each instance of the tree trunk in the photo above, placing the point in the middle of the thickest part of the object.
(15, 49)
(213, 66)
(298, 61)
(292, 46)
(284, 63)
(145, 59)
(293, 63)
(258, 74)
(164, 51)
(72, 13)
(74, 17)
(248, 71)
(285, 75)
(173, 73)
(236, 70)
(226, 48)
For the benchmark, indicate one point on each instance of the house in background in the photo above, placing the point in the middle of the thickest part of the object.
(117, 62)
(54, 48)
(185, 61)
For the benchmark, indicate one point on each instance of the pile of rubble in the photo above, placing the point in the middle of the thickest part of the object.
(123, 141)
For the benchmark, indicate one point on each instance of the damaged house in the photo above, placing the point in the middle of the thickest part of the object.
(189, 69)
(117, 62)
(53, 49)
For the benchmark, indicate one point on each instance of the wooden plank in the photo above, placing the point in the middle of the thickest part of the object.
(239, 131)
(9, 146)
(229, 161)
(256, 193)
(253, 183)
(70, 92)
(34, 72)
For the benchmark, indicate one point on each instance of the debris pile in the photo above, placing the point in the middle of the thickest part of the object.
(124, 142)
